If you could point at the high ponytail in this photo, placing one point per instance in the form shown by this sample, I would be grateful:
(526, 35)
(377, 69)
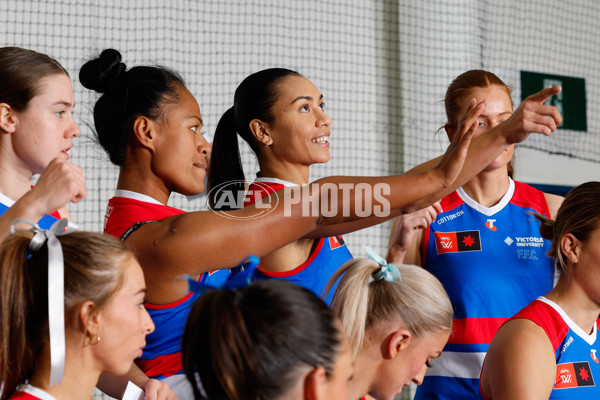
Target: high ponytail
(418, 300)
(21, 324)
(225, 161)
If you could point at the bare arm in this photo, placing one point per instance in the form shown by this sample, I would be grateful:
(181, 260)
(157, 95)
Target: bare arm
(520, 363)
(114, 385)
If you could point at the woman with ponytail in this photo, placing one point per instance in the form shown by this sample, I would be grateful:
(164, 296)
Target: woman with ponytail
(270, 340)
(100, 319)
(398, 319)
(549, 349)
(36, 129)
(149, 124)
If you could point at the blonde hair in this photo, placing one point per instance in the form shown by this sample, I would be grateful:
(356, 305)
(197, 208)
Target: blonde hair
(93, 265)
(418, 299)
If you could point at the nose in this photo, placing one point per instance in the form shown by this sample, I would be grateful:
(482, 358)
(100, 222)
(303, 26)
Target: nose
(418, 378)
(73, 130)
(323, 119)
(204, 147)
(147, 323)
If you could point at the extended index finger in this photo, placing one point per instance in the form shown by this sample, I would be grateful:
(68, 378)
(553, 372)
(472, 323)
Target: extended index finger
(545, 93)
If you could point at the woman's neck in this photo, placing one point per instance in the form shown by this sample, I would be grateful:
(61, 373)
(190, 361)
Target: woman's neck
(141, 180)
(275, 168)
(79, 377)
(366, 365)
(575, 302)
(15, 180)
(488, 187)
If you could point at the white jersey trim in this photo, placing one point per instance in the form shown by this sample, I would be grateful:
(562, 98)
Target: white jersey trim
(6, 201)
(489, 211)
(32, 390)
(128, 194)
(267, 179)
(589, 338)
(455, 364)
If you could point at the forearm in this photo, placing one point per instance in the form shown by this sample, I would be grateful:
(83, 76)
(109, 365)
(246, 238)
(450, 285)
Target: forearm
(23, 208)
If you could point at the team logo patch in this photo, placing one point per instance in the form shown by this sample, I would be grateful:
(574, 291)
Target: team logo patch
(571, 375)
(335, 242)
(490, 224)
(453, 242)
(594, 356)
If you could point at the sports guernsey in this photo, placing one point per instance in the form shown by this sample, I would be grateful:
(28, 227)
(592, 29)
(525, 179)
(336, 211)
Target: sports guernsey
(28, 392)
(45, 222)
(492, 263)
(161, 358)
(324, 260)
(577, 363)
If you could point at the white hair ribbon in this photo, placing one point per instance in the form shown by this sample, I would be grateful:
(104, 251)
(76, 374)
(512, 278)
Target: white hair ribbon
(56, 292)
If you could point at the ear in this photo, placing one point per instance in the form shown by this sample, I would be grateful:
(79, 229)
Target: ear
(313, 382)
(449, 131)
(7, 118)
(396, 342)
(144, 130)
(90, 318)
(570, 247)
(260, 131)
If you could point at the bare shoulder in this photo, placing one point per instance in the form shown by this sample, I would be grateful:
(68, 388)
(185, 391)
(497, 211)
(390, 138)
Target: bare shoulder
(520, 363)
(554, 201)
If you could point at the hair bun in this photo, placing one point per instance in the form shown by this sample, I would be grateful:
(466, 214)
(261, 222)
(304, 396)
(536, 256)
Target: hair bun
(100, 73)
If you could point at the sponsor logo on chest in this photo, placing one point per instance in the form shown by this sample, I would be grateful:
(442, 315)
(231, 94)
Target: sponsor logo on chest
(454, 242)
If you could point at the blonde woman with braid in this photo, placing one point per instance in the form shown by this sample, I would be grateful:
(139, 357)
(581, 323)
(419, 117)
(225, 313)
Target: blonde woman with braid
(398, 319)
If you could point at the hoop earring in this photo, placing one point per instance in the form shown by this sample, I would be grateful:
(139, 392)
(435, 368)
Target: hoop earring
(90, 338)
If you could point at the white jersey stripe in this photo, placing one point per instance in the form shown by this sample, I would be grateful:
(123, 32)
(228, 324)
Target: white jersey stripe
(457, 365)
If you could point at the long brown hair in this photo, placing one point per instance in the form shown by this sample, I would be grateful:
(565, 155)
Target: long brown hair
(93, 271)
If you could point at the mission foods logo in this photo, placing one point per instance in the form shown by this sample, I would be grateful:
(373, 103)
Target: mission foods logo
(454, 242)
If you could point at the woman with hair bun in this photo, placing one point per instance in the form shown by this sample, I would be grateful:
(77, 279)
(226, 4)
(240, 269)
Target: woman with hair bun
(36, 130)
(57, 350)
(398, 319)
(149, 124)
(549, 349)
(270, 340)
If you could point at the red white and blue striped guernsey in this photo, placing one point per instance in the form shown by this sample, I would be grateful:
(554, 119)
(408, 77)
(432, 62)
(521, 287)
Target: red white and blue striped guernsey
(577, 364)
(45, 222)
(328, 255)
(161, 359)
(492, 263)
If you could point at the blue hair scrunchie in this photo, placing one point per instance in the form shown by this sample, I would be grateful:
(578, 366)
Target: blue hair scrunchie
(388, 272)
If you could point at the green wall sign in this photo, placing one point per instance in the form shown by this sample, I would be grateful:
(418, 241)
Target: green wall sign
(570, 101)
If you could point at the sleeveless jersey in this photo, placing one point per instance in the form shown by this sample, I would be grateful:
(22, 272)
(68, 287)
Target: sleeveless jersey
(577, 364)
(45, 222)
(328, 256)
(492, 263)
(28, 392)
(161, 358)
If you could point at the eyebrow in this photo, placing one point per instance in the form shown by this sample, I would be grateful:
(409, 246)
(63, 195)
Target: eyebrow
(64, 103)
(309, 98)
(502, 113)
(198, 118)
